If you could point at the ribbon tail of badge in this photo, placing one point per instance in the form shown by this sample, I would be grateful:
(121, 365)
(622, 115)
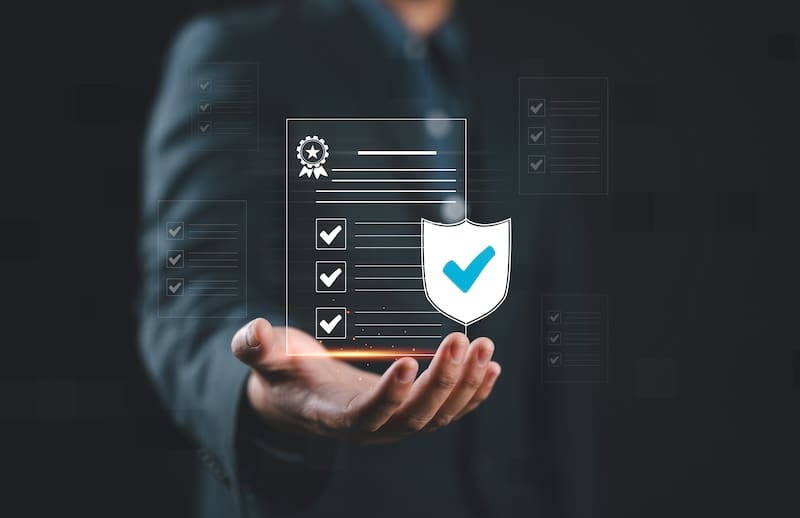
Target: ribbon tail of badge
(307, 172)
(319, 171)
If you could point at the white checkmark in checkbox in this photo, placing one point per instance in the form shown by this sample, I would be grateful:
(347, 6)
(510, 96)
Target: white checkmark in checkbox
(536, 164)
(328, 237)
(536, 107)
(328, 280)
(175, 259)
(331, 234)
(331, 276)
(536, 136)
(331, 323)
(328, 327)
(175, 230)
(174, 287)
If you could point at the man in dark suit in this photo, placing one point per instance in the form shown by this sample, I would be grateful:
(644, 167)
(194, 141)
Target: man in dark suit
(284, 434)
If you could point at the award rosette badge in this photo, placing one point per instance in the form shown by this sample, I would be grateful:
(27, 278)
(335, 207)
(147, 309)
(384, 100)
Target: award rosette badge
(312, 152)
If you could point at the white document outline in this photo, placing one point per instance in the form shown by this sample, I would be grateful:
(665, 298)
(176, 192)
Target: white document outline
(286, 189)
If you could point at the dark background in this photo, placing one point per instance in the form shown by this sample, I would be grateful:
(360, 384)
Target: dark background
(699, 261)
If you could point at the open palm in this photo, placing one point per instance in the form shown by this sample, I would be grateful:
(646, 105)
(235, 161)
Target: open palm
(312, 392)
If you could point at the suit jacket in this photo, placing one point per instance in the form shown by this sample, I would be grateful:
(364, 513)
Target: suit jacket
(531, 450)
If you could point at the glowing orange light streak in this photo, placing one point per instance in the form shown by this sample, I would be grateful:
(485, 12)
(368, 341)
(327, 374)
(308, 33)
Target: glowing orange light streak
(371, 354)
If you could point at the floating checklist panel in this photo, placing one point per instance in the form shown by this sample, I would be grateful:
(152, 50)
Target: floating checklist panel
(563, 135)
(356, 190)
(574, 338)
(224, 105)
(202, 258)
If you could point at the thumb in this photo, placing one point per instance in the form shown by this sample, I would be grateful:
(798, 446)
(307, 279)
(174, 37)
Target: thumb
(255, 344)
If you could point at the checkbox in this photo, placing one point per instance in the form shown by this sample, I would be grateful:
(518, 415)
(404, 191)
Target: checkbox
(331, 276)
(553, 317)
(205, 85)
(175, 287)
(536, 136)
(537, 107)
(331, 323)
(175, 230)
(175, 259)
(554, 338)
(554, 359)
(331, 233)
(204, 107)
(205, 127)
(537, 164)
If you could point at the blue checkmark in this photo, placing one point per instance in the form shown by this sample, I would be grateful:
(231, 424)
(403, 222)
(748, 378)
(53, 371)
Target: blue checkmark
(464, 279)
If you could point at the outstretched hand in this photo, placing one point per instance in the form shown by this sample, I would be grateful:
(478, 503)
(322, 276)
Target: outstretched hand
(312, 393)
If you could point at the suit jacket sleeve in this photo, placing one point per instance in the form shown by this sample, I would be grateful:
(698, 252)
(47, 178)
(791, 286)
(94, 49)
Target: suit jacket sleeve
(189, 359)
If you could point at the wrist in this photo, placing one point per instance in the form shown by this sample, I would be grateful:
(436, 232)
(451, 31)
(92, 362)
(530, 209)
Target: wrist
(256, 421)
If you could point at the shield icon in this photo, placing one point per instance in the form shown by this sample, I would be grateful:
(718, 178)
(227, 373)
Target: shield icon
(466, 267)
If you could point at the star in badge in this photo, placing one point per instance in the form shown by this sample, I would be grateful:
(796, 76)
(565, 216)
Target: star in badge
(312, 152)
